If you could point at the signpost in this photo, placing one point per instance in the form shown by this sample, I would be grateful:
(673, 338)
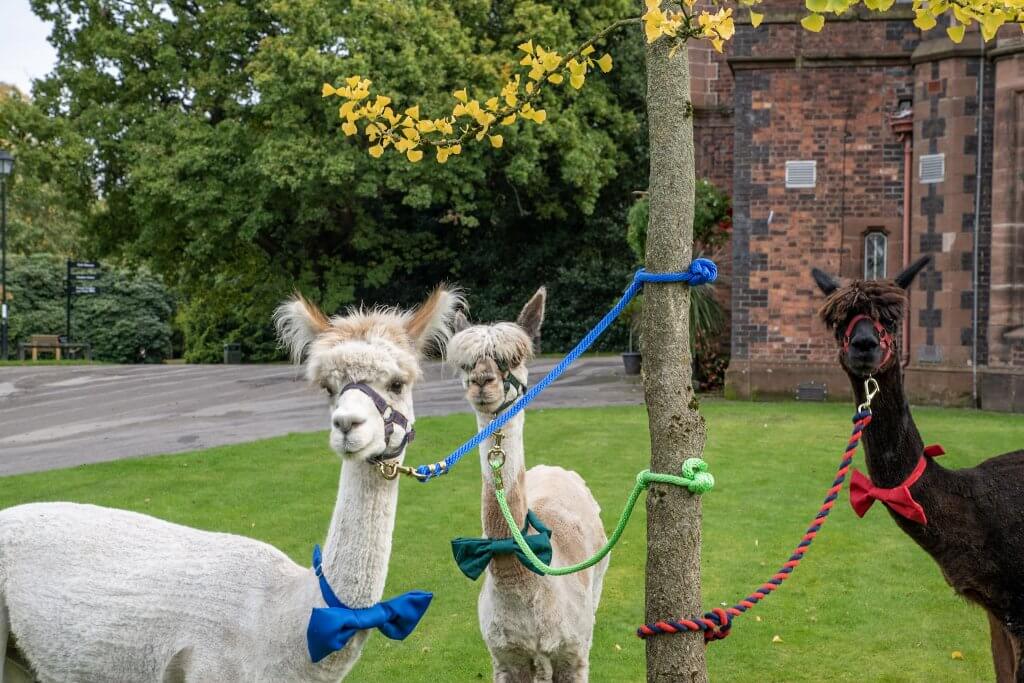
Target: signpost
(73, 289)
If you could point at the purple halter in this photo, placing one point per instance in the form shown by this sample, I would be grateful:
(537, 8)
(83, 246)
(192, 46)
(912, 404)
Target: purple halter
(391, 418)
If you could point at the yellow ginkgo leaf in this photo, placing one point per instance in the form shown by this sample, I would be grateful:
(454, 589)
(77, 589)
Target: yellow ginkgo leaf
(556, 78)
(776, 639)
(508, 120)
(588, 50)
(461, 95)
(605, 63)
(813, 22)
(328, 90)
(956, 33)
(924, 20)
(376, 151)
(442, 155)
(717, 43)
(817, 5)
(426, 126)
(352, 81)
(756, 18)
(349, 128)
(414, 155)
(527, 47)
(990, 25)
(540, 116)
(496, 141)
(529, 88)
(413, 112)
(456, 149)
(577, 80)
(956, 654)
(492, 104)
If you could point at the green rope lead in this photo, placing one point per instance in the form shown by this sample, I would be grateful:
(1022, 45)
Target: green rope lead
(695, 477)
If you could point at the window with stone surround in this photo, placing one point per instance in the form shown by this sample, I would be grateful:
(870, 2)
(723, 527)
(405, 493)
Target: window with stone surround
(875, 251)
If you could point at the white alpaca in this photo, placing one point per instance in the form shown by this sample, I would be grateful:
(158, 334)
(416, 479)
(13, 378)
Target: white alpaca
(537, 628)
(97, 594)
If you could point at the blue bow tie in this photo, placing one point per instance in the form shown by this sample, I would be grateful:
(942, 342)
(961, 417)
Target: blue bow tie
(474, 554)
(331, 627)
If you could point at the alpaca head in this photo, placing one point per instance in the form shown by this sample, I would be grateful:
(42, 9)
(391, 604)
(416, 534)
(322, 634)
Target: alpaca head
(865, 317)
(488, 355)
(379, 348)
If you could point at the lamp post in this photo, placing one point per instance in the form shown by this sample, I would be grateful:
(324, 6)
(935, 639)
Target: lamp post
(6, 167)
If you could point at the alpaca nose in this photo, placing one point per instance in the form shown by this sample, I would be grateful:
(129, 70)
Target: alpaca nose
(865, 343)
(346, 422)
(482, 380)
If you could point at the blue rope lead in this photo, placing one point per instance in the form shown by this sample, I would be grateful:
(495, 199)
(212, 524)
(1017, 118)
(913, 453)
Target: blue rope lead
(702, 270)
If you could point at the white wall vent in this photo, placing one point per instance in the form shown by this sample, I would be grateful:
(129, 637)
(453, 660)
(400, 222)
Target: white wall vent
(932, 168)
(801, 174)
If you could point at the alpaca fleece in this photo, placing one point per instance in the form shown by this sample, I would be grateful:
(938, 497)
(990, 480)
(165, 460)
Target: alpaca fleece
(98, 594)
(536, 628)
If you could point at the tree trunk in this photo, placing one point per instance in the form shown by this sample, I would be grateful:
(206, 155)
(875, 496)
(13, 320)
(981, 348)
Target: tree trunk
(677, 429)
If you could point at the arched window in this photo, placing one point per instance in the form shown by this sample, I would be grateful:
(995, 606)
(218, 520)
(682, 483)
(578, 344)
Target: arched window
(875, 247)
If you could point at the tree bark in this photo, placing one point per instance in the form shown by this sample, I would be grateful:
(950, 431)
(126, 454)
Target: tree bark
(677, 429)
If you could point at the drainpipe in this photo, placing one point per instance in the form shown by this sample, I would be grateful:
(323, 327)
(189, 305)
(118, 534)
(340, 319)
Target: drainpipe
(977, 222)
(902, 124)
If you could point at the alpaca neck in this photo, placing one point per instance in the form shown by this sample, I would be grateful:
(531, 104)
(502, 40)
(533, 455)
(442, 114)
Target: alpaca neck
(513, 477)
(892, 444)
(358, 545)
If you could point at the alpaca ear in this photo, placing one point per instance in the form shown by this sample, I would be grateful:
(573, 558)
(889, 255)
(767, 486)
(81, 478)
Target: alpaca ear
(907, 275)
(826, 283)
(298, 323)
(431, 323)
(532, 315)
(460, 322)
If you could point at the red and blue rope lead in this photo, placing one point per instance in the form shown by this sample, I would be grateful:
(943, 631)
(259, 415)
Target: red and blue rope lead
(717, 623)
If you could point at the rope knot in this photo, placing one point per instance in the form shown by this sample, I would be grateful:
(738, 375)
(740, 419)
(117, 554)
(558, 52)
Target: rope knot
(701, 271)
(699, 480)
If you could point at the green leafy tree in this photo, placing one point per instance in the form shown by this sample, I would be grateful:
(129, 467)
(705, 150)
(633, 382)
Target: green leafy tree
(220, 167)
(48, 194)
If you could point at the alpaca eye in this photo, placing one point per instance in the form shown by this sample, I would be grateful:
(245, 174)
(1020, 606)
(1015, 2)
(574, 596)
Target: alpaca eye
(329, 389)
(396, 387)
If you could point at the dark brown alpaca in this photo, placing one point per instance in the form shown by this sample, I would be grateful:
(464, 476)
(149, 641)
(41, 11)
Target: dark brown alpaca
(975, 516)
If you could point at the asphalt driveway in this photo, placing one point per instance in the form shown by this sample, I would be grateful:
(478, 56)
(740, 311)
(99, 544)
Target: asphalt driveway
(54, 416)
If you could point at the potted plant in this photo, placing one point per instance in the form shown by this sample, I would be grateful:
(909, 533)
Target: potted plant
(712, 222)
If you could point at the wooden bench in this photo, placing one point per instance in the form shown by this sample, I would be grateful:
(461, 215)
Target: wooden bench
(51, 343)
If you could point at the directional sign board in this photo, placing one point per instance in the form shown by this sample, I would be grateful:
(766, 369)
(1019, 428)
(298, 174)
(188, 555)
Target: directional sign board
(86, 290)
(82, 276)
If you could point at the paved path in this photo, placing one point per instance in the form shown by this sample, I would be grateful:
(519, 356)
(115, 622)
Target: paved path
(52, 416)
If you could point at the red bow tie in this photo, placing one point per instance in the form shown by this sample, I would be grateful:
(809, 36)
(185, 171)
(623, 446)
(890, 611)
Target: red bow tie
(863, 493)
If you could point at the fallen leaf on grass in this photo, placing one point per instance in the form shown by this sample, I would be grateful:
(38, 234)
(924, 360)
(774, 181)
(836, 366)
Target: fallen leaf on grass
(956, 654)
(776, 639)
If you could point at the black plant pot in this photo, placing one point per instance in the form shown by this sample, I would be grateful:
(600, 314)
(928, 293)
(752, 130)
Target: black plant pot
(631, 361)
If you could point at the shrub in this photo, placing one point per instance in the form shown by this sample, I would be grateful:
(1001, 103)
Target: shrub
(127, 322)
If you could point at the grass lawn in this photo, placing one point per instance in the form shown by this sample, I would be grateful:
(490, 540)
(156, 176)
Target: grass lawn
(867, 604)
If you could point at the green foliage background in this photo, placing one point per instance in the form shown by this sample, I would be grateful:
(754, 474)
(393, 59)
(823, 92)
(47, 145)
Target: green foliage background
(205, 151)
(130, 314)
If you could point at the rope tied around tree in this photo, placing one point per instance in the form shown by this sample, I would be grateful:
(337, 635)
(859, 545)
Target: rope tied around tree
(717, 623)
(695, 477)
(700, 271)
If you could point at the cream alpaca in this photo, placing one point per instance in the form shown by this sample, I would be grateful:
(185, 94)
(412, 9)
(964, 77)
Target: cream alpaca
(93, 593)
(537, 628)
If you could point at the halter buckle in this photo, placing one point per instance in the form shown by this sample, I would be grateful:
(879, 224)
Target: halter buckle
(390, 470)
(496, 458)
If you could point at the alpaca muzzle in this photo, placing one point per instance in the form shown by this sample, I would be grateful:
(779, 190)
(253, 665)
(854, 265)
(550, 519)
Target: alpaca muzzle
(885, 341)
(391, 418)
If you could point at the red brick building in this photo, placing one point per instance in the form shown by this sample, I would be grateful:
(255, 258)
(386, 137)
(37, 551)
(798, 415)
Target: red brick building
(814, 135)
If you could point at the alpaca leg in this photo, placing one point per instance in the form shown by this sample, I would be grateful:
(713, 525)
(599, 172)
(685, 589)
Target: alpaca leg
(542, 669)
(1003, 656)
(573, 672)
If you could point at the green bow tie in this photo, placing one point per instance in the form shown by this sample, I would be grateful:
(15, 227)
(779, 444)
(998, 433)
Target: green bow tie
(474, 554)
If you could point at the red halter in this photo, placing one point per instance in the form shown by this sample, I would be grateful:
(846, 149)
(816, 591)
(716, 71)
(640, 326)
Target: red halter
(884, 338)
